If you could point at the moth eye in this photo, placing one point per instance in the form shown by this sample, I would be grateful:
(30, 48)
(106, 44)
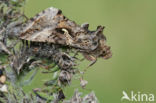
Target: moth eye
(103, 52)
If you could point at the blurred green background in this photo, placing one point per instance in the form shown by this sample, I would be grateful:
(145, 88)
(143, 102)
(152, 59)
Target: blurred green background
(130, 31)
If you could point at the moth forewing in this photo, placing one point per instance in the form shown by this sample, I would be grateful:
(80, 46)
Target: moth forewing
(52, 27)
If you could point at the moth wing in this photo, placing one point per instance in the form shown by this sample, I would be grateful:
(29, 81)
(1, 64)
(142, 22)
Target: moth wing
(41, 27)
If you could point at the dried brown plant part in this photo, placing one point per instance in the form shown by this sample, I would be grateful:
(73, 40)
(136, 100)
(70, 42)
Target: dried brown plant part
(90, 98)
(66, 61)
(2, 30)
(18, 59)
(65, 78)
(61, 95)
(4, 48)
(83, 82)
(77, 98)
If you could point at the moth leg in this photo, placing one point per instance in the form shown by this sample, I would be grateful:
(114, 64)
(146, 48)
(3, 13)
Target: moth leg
(92, 63)
(75, 54)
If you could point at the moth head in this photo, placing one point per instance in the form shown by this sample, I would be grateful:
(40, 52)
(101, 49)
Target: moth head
(96, 42)
(103, 49)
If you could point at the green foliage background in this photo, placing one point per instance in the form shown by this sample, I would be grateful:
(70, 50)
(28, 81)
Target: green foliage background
(130, 31)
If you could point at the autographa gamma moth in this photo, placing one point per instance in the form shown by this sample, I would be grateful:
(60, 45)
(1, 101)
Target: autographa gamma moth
(51, 26)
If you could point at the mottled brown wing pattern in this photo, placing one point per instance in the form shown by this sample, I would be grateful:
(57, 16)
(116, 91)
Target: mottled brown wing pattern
(51, 26)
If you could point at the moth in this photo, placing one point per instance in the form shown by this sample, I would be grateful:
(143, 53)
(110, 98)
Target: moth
(52, 27)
